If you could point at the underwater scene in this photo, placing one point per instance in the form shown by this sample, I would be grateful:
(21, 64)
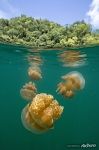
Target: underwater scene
(49, 98)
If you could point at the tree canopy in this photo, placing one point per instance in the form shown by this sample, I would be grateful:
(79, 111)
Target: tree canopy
(43, 33)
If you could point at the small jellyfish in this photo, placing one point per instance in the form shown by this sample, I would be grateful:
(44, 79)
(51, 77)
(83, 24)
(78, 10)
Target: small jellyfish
(28, 91)
(71, 83)
(34, 73)
(40, 115)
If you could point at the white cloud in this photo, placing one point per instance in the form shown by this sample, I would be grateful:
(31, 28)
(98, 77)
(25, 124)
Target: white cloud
(8, 10)
(93, 14)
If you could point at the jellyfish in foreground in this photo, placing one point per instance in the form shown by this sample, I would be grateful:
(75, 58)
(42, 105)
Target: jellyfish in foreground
(40, 115)
(72, 82)
(34, 73)
(28, 91)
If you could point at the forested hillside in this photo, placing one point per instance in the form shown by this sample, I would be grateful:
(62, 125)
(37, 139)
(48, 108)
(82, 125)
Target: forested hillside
(43, 33)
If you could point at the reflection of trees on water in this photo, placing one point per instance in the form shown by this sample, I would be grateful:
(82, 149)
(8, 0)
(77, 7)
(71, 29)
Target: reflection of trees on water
(34, 59)
(72, 58)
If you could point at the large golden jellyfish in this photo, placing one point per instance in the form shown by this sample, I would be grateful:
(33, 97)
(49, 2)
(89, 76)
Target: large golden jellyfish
(28, 91)
(40, 115)
(34, 72)
(72, 82)
(73, 58)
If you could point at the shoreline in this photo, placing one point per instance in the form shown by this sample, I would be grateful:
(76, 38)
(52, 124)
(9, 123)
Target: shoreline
(44, 48)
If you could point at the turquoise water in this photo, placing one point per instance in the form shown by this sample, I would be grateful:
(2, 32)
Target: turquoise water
(79, 123)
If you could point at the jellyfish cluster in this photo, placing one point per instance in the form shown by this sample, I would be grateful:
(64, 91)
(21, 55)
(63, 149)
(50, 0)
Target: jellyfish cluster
(71, 83)
(29, 90)
(43, 110)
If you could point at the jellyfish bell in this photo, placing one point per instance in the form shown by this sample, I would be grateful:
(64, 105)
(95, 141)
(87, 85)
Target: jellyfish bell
(71, 83)
(28, 91)
(27, 94)
(41, 103)
(35, 66)
(29, 123)
(30, 86)
(76, 78)
(34, 73)
(47, 117)
(65, 86)
(61, 88)
(69, 94)
(40, 115)
(66, 89)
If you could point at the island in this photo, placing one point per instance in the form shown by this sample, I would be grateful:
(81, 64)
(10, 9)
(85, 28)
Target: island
(41, 33)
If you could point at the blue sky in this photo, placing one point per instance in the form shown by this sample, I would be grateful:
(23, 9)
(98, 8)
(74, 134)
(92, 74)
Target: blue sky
(60, 11)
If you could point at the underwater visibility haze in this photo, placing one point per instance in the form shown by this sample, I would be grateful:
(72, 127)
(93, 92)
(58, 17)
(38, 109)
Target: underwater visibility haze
(63, 84)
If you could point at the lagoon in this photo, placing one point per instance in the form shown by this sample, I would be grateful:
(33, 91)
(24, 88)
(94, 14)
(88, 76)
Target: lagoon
(79, 123)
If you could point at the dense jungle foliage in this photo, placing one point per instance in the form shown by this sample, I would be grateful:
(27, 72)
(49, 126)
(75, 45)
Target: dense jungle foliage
(46, 34)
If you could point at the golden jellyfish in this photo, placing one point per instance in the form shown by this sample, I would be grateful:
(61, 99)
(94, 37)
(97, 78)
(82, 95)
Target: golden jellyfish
(76, 78)
(28, 91)
(73, 81)
(65, 89)
(41, 114)
(73, 58)
(34, 73)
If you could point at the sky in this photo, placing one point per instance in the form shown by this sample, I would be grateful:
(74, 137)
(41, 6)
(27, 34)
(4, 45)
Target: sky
(60, 11)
